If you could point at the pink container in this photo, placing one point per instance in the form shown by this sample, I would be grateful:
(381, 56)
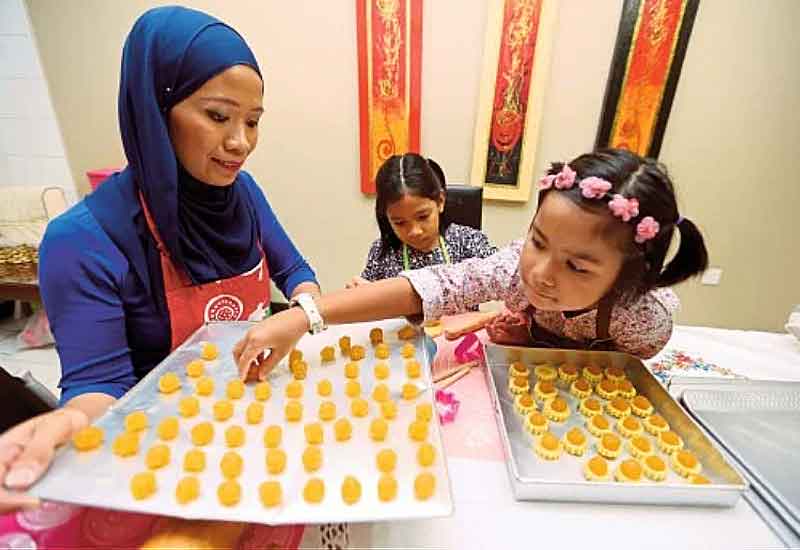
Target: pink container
(96, 177)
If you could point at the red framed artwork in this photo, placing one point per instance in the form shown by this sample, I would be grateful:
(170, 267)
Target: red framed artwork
(516, 67)
(651, 45)
(389, 34)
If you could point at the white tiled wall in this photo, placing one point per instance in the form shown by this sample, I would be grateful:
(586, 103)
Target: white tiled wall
(31, 148)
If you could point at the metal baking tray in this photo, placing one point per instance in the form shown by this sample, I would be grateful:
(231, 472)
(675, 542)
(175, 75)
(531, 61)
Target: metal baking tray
(758, 423)
(99, 478)
(562, 480)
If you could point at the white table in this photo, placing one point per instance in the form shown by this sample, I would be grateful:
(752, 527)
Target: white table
(487, 516)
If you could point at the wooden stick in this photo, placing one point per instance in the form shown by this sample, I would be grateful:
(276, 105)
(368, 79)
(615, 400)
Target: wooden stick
(450, 372)
(453, 379)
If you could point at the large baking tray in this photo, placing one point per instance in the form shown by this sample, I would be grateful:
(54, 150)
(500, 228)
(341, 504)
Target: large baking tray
(562, 480)
(98, 478)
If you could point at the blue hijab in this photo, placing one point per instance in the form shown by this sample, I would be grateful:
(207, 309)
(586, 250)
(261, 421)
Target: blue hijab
(211, 232)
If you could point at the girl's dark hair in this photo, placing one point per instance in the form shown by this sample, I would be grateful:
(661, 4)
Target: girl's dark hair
(400, 175)
(647, 181)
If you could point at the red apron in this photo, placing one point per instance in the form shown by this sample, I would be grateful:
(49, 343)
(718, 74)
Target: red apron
(242, 297)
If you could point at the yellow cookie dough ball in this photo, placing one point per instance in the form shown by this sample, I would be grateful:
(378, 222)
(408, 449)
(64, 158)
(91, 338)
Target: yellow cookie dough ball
(254, 413)
(299, 370)
(381, 393)
(205, 386)
(359, 407)
(378, 429)
(342, 429)
(424, 412)
(351, 370)
(324, 387)
(327, 354)
(424, 486)
(382, 351)
(387, 488)
(194, 461)
(386, 460)
(294, 389)
(263, 391)
(357, 353)
(231, 465)
(410, 391)
(189, 406)
(195, 368)
(294, 411)
(223, 410)
(209, 351)
(143, 485)
(276, 461)
(413, 368)
(234, 436)
(382, 371)
(271, 493)
(327, 410)
(389, 409)
(87, 439)
(426, 454)
(157, 456)
(418, 430)
(344, 345)
(407, 333)
(187, 490)
(314, 435)
(202, 434)
(229, 492)
(408, 350)
(351, 490)
(126, 444)
(169, 383)
(314, 490)
(352, 388)
(295, 355)
(168, 429)
(272, 436)
(235, 389)
(376, 336)
(136, 422)
(312, 458)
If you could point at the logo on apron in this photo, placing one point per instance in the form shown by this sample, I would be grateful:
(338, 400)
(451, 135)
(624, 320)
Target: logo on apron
(224, 307)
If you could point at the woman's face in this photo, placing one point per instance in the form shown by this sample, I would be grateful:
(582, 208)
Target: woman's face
(215, 129)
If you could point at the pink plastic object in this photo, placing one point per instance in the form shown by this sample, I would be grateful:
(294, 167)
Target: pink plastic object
(446, 405)
(96, 177)
(469, 349)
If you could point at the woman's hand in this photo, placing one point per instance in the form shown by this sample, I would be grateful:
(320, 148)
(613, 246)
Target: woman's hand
(356, 282)
(509, 328)
(27, 449)
(277, 334)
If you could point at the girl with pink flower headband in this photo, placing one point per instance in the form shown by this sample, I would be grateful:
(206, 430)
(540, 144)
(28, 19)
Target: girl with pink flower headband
(590, 273)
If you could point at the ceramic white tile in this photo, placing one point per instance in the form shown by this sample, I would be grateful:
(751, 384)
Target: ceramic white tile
(16, 136)
(46, 138)
(18, 57)
(12, 18)
(19, 170)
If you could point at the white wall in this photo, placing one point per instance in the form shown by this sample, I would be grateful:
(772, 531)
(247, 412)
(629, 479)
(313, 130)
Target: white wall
(31, 148)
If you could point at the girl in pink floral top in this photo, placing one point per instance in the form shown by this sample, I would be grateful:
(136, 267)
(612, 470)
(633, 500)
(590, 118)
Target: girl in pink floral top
(590, 274)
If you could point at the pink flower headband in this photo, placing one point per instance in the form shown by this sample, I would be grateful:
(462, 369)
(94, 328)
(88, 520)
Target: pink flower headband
(597, 188)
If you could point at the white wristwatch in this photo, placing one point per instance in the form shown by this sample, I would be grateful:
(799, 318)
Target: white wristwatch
(306, 302)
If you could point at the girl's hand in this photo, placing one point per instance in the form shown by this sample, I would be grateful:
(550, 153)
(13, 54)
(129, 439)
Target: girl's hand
(278, 335)
(27, 449)
(356, 282)
(509, 328)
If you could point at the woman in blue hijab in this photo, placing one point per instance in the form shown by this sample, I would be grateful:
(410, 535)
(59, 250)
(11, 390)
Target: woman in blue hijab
(179, 237)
